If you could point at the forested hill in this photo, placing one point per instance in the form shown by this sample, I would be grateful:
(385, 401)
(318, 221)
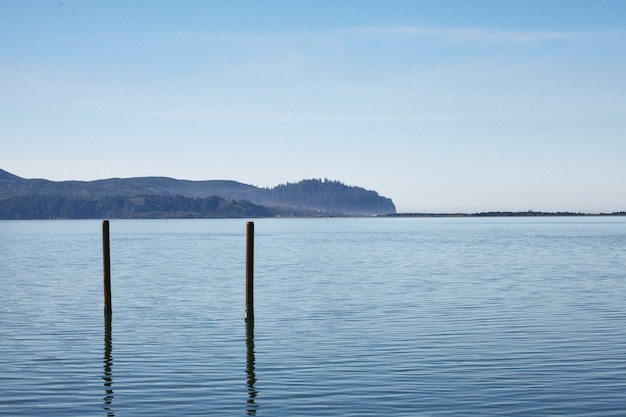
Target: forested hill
(331, 196)
(156, 197)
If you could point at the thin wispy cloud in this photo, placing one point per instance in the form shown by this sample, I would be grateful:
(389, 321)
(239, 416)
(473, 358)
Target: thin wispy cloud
(467, 35)
(441, 33)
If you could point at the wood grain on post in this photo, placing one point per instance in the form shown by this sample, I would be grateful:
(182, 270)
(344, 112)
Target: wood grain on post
(106, 259)
(250, 271)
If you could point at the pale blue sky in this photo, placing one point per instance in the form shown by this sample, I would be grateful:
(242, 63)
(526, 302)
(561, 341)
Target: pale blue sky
(442, 106)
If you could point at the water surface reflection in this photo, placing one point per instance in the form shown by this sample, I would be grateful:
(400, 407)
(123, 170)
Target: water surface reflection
(251, 405)
(107, 374)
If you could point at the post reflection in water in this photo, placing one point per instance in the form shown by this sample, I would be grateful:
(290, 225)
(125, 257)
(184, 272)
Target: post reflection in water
(107, 375)
(251, 405)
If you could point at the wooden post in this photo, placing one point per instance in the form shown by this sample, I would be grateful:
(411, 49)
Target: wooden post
(250, 272)
(106, 258)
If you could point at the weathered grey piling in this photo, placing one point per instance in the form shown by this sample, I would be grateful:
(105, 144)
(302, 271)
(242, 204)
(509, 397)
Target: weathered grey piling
(106, 259)
(250, 271)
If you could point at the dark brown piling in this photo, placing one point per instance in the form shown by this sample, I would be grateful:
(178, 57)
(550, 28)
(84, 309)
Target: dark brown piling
(106, 259)
(250, 271)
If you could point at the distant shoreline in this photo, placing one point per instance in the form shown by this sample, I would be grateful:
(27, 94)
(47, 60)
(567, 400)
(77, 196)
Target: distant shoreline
(508, 214)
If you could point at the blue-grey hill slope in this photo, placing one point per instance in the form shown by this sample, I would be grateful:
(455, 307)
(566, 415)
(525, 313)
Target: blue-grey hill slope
(168, 197)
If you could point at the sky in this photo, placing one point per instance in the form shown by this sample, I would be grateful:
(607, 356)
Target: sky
(442, 106)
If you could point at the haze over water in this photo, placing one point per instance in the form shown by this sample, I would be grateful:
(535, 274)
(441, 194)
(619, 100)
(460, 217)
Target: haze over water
(442, 105)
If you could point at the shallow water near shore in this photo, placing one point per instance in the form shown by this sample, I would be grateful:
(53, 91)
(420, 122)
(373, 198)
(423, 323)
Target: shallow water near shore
(363, 317)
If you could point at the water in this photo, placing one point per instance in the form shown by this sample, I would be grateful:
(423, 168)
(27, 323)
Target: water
(353, 317)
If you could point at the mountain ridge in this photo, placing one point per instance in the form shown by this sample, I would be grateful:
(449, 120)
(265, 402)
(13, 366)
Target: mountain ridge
(306, 197)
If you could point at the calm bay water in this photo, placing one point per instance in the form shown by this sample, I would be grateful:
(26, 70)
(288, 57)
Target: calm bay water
(363, 317)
